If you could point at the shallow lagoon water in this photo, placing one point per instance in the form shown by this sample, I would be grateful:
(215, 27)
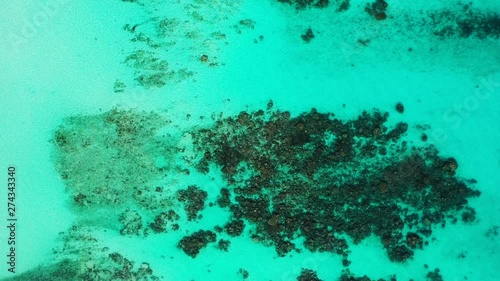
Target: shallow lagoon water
(104, 102)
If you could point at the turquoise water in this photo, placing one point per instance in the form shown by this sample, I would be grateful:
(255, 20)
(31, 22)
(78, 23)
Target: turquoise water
(250, 140)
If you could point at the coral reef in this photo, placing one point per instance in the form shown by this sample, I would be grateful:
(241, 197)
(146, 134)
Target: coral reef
(192, 244)
(318, 177)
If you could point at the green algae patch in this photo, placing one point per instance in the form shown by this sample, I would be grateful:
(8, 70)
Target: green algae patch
(61, 271)
(83, 257)
(114, 267)
(113, 158)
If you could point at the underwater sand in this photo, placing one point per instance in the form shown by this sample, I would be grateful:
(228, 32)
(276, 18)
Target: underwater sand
(65, 59)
